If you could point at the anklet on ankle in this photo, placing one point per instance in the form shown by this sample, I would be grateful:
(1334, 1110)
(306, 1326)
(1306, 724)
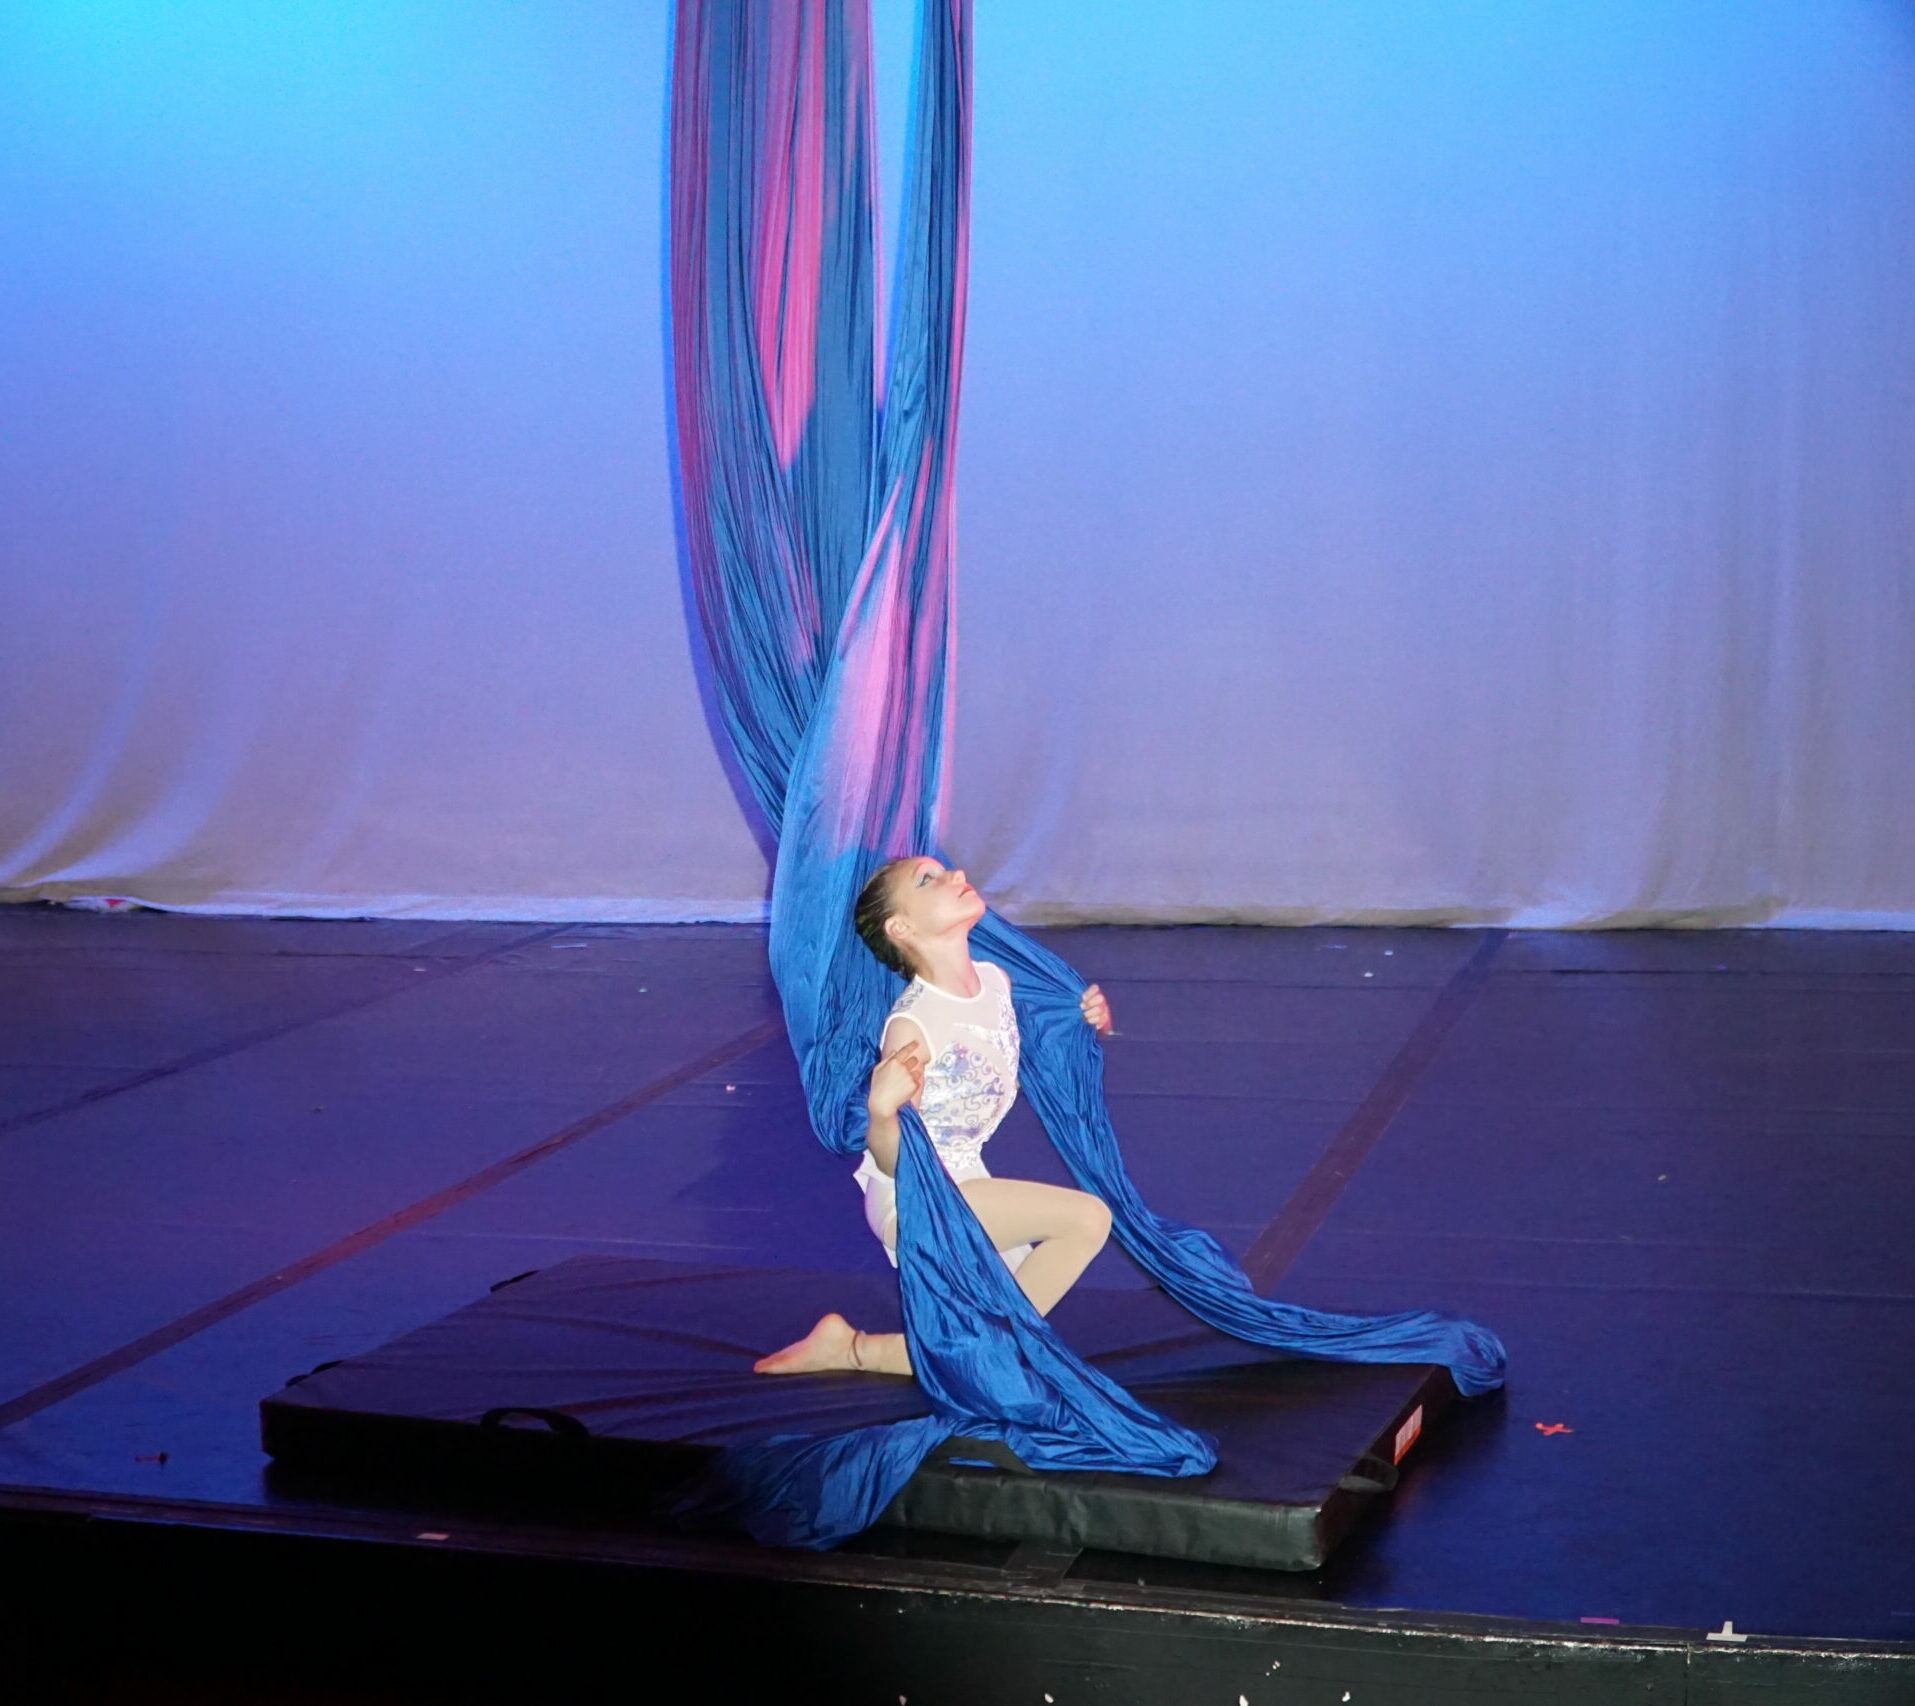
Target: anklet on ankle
(857, 1361)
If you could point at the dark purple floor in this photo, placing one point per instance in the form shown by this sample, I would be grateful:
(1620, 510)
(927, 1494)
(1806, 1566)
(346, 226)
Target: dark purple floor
(1674, 1169)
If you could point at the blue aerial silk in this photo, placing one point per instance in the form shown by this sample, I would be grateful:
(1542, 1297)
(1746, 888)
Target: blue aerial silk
(817, 508)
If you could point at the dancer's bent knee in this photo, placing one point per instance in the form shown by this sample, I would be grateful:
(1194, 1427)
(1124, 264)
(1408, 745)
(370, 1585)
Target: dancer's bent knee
(1090, 1216)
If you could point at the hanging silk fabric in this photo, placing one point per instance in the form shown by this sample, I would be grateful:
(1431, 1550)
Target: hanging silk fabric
(817, 504)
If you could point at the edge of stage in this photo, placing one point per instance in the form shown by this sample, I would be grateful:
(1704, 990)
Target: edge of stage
(312, 1604)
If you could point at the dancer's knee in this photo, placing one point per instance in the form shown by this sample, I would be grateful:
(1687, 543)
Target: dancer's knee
(1088, 1218)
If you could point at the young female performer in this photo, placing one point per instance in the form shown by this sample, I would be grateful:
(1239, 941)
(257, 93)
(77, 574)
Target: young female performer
(950, 1048)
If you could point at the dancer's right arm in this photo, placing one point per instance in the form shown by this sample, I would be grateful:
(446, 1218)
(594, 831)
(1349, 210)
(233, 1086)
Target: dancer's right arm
(897, 1079)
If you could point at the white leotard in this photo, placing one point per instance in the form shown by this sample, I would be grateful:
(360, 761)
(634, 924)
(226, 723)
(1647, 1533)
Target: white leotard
(968, 1087)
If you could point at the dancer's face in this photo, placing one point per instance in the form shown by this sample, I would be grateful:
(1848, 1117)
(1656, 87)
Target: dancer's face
(929, 904)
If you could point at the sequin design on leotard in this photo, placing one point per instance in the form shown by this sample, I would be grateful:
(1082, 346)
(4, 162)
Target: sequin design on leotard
(968, 1087)
(972, 1083)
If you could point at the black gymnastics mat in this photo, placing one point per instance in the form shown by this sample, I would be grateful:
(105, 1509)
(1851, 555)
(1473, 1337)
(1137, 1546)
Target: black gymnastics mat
(610, 1381)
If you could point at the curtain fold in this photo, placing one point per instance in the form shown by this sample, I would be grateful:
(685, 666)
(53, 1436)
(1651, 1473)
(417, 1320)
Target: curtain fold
(819, 531)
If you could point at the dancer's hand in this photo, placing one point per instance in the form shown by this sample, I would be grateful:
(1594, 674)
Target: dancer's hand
(1096, 1011)
(898, 1078)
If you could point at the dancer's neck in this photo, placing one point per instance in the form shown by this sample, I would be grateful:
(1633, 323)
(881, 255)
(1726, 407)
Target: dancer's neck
(948, 966)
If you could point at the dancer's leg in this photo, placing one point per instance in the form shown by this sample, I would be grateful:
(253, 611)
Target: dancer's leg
(1067, 1227)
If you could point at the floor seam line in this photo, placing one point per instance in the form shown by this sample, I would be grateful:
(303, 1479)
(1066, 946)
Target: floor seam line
(138, 1350)
(1277, 1246)
(265, 1034)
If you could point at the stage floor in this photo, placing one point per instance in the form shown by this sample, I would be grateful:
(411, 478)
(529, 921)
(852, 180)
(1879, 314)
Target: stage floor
(1674, 1170)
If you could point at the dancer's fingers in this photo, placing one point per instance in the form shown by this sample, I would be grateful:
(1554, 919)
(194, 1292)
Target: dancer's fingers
(898, 1077)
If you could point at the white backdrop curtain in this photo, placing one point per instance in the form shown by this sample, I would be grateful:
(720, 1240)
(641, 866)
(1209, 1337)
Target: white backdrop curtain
(1420, 462)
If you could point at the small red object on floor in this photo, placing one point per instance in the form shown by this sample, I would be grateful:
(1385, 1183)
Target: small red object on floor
(1554, 1428)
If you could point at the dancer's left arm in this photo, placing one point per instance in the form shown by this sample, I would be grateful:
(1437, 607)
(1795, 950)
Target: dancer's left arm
(1096, 1011)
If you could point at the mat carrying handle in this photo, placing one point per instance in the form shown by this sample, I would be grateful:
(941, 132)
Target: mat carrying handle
(1371, 1475)
(557, 1420)
(965, 1452)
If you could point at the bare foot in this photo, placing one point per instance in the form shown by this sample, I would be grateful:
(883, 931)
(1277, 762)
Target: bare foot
(827, 1345)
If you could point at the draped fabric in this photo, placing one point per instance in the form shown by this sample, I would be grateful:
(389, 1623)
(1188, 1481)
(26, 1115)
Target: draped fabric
(817, 496)
(1420, 465)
